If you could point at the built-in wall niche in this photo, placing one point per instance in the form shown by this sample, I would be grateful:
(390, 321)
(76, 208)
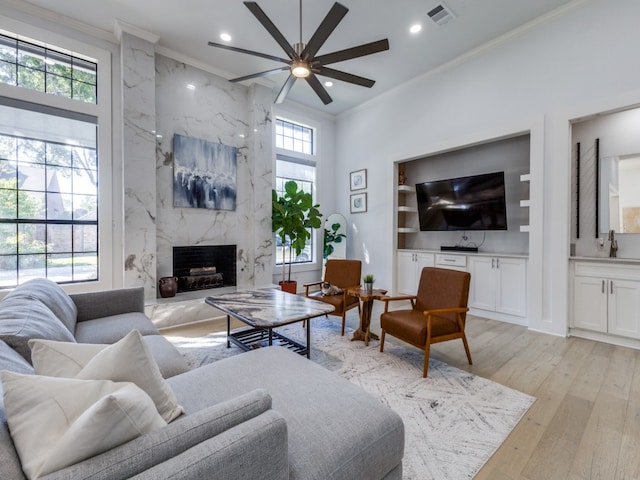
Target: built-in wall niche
(605, 179)
(509, 155)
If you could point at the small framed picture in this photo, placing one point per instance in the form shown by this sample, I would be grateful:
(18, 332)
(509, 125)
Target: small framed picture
(359, 202)
(359, 179)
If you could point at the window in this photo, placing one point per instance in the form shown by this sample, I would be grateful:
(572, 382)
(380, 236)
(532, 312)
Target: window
(294, 137)
(50, 174)
(36, 67)
(301, 169)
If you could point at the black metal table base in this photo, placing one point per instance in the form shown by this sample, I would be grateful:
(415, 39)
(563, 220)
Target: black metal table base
(252, 338)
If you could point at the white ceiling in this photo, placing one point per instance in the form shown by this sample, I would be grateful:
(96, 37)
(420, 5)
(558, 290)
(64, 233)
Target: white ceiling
(186, 26)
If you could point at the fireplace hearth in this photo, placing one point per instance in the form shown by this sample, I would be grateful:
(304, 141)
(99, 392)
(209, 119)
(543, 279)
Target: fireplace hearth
(204, 266)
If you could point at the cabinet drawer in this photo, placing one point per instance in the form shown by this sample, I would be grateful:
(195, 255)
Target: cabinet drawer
(451, 260)
(607, 270)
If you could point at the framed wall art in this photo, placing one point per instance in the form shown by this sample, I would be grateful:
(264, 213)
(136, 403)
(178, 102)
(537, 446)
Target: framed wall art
(359, 202)
(359, 179)
(204, 174)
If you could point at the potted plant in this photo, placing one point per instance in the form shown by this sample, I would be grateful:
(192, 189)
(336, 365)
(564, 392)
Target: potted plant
(331, 236)
(368, 283)
(293, 215)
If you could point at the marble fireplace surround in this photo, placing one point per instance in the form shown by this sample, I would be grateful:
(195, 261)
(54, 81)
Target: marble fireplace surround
(159, 103)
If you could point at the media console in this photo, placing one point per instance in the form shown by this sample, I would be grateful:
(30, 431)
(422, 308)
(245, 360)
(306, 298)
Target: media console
(456, 248)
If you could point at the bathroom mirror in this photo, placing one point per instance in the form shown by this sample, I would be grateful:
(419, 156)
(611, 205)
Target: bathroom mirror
(619, 194)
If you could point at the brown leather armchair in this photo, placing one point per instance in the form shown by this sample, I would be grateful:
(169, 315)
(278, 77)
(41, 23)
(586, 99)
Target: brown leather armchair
(438, 312)
(343, 274)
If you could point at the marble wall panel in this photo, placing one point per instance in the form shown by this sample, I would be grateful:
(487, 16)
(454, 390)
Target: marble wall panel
(138, 95)
(195, 103)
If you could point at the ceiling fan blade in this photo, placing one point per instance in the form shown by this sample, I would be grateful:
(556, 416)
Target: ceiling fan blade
(328, 25)
(248, 52)
(271, 28)
(319, 89)
(353, 52)
(285, 89)
(260, 74)
(345, 77)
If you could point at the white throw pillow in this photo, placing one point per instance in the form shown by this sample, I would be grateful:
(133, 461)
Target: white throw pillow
(128, 360)
(57, 422)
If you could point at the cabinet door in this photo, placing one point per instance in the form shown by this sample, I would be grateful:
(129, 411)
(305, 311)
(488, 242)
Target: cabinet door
(481, 290)
(624, 308)
(590, 303)
(422, 260)
(511, 286)
(406, 273)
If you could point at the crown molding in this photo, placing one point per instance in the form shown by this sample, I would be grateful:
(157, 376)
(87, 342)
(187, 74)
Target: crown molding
(47, 15)
(120, 27)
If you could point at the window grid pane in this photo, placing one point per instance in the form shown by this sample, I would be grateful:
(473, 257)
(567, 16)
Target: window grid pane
(294, 137)
(46, 70)
(48, 211)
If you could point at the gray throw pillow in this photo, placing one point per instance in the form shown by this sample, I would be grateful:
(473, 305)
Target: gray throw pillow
(51, 295)
(23, 319)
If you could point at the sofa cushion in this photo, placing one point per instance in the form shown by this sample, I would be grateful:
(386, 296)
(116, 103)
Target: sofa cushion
(56, 422)
(51, 295)
(22, 320)
(169, 360)
(128, 360)
(112, 328)
(327, 416)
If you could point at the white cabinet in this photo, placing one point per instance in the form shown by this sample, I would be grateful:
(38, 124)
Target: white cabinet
(498, 284)
(409, 267)
(606, 299)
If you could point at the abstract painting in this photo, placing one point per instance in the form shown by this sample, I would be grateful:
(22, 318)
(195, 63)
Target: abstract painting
(204, 174)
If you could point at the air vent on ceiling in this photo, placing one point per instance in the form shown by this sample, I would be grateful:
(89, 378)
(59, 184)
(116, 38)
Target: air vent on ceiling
(440, 14)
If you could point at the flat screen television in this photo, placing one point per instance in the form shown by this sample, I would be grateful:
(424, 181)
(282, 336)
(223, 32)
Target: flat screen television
(465, 203)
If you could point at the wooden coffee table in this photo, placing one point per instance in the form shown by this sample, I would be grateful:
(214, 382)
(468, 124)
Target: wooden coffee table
(264, 310)
(364, 329)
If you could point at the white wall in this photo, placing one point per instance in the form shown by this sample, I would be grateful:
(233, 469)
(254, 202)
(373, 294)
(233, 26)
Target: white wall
(577, 63)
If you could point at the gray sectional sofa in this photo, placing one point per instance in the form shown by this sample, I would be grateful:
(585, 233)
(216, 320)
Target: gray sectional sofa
(264, 414)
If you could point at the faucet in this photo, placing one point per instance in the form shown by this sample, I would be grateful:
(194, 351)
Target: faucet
(613, 249)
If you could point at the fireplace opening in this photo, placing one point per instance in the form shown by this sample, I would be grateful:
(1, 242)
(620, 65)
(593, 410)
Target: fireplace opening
(204, 266)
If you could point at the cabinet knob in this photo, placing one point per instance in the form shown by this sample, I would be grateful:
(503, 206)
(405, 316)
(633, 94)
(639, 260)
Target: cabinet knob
(611, 284)
(602, 286)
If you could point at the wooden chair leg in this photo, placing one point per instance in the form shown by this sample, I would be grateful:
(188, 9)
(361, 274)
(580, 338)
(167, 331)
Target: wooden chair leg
(464, 338)
(466, 348)
(382, 334)
(425, 368)
(344, 319)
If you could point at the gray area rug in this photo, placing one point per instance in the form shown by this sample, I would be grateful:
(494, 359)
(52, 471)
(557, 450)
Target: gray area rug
(454, 420)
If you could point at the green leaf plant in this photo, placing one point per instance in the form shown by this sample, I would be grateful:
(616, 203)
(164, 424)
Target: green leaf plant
(331, 236)
(292, 218)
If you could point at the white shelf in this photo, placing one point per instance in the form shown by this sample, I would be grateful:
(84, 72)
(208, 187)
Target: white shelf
(524, 228)
(407, 230)
(525, 177)
(525, 203)
(404, 208)
(406, 189)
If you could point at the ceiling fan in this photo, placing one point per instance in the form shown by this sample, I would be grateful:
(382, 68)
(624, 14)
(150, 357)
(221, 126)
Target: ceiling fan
(302, 61)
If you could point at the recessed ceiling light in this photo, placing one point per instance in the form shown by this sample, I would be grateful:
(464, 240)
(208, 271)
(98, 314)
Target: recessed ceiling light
(415, 28)
(225, 37)
(191, 86)
(328, 84)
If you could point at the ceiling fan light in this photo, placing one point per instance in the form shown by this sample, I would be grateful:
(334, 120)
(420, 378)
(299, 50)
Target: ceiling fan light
(300, 69)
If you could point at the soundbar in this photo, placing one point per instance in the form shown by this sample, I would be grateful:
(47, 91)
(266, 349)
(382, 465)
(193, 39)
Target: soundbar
(455, 248)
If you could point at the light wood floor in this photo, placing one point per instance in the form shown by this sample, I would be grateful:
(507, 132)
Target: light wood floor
(585, 423)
